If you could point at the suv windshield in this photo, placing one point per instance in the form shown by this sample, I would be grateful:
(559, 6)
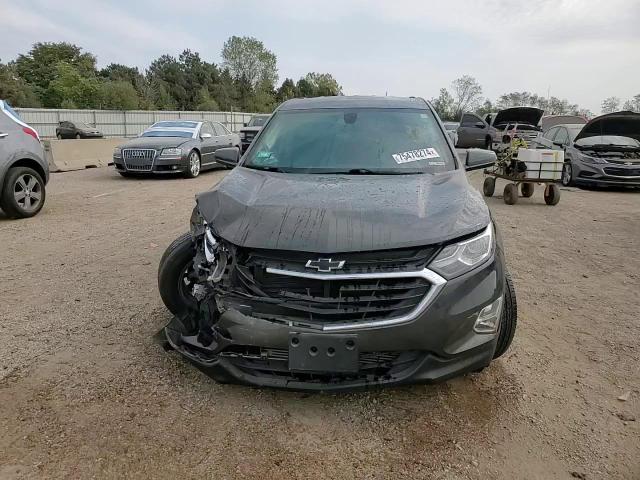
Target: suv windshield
(353, 141)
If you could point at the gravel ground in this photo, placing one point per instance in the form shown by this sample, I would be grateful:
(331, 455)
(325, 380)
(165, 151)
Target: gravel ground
(86, 393)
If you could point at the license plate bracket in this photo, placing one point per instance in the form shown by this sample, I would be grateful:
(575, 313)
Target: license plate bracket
(309, 352)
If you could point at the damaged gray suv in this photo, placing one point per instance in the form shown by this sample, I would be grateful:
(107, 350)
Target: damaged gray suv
(346, 250)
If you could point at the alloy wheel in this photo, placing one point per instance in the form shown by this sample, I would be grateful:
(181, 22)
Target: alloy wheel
(27, 192)
(566, 174)
(194, 164)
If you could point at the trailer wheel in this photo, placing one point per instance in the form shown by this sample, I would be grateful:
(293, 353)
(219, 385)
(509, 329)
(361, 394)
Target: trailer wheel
(552, 194)
(527, 189)
(489, 186)
(510, 194)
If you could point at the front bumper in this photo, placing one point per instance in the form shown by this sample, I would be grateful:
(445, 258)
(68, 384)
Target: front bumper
(160, 165)
(601, 175)
(438, 344)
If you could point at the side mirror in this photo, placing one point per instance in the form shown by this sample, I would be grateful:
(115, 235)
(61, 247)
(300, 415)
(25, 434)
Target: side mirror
(479, 124)
(559, 144)
(478, 158)
(227, 156)
(204, 136)
(245, 124)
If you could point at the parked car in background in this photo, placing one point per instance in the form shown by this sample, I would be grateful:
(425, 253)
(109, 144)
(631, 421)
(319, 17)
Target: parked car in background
(549, 121)
(66, 129)
(24, 171)
(452, 131)
(604, 152)
(522, 122)
(474, 132)
(178, 146)
(346, 250)
(251, 129)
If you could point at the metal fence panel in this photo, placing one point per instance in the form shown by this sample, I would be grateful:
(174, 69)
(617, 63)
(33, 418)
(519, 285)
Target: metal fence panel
(121, 123)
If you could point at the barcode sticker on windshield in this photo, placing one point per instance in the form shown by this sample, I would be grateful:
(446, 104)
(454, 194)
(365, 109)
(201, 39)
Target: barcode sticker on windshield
(415, 155)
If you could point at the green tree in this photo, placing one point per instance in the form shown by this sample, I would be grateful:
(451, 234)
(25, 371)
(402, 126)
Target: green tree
(305, 88)
(487, 107)
(68, 84)
(14, 89)
(247, 58)
(467, 95)
(39, 66)
(204, 102)
(633, 105)
(323, 84)
(443, 104)
(118, 95)
(286, 91)
(610, 105)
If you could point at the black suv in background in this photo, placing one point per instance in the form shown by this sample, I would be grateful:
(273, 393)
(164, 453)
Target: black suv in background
(347, 249)
(66, 129)
(251, 129)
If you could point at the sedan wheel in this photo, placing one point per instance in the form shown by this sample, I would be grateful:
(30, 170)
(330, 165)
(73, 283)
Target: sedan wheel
(193, 167)
(567, 173)
(23, 194)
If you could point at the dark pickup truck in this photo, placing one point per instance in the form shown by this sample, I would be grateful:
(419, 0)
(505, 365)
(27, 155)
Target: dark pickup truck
(251, 129)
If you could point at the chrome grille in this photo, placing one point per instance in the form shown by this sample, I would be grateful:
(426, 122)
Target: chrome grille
(288, 298)
(622, 172)
(139, 159)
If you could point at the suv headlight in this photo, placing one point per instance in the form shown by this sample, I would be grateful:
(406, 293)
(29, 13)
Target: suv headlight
(117, 152)
(171, 151)
(461, 257)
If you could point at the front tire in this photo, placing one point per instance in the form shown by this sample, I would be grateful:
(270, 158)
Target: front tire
(58, 136)
(173, 282)
(78, 136)
(567, 174)
(23, 193)
(509, 321)
(193, 165)
(552, 194)
(489, 186)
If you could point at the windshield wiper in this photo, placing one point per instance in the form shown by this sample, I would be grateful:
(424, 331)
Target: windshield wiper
(265, 168)
(366, 171)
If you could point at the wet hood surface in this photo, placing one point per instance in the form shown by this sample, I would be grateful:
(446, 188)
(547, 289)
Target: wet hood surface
(151, 142)
(341, 213)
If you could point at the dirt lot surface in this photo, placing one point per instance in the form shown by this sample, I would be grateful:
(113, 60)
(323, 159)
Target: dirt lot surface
(86, 393)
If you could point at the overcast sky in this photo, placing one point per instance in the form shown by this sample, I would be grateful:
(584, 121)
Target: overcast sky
(580, 50)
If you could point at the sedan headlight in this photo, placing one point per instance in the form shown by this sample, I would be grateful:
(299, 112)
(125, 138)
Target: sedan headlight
(591, 160)
(172, 151)
(461, 257)
(117, 152)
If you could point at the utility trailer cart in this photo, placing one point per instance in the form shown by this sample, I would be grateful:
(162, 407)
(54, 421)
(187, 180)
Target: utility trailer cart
(523, 168)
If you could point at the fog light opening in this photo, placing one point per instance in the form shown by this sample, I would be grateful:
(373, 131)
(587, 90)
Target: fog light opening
(489, 318)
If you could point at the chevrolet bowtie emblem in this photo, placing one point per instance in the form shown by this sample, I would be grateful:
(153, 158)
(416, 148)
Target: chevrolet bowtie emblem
(325, 264)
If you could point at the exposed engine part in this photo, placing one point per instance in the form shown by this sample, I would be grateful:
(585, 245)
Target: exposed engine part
(216, 256)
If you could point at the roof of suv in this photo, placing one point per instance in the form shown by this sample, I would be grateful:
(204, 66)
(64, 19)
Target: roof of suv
(353, 102)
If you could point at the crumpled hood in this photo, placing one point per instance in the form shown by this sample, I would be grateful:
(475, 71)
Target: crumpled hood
(151, 142)
(530, 115)
(622, 124)
(341, 213)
